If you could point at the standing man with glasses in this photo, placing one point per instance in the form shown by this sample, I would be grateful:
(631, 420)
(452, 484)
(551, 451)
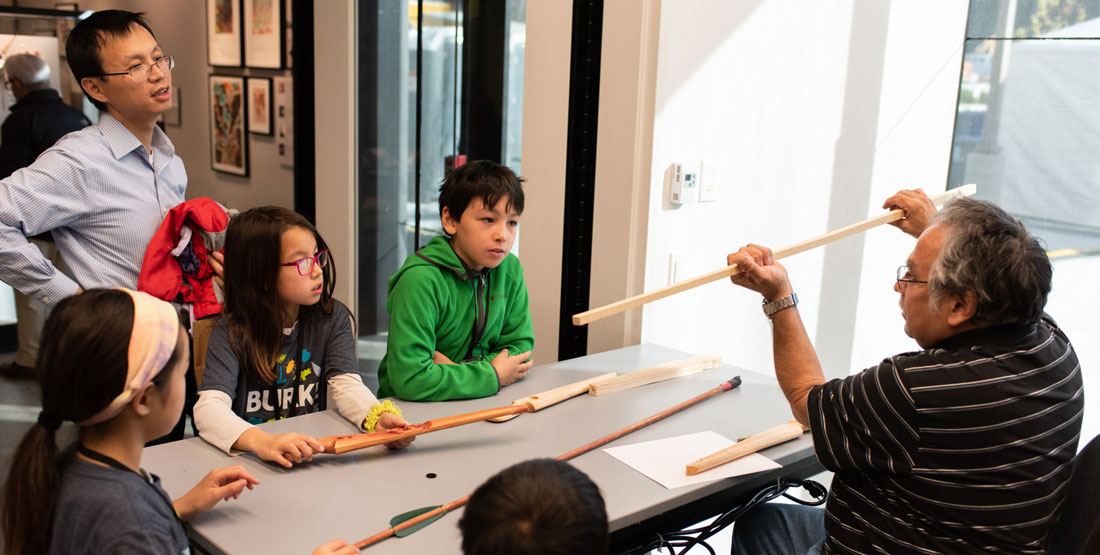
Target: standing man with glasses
(37, 120)
(963, 446)
(104, 190)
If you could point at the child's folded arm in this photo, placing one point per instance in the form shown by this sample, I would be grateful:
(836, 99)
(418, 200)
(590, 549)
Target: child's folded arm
(517, 333)
(216, 421)
(429, 381)
(414, 318)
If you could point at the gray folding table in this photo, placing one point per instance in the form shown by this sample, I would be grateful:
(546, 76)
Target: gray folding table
(354, 495)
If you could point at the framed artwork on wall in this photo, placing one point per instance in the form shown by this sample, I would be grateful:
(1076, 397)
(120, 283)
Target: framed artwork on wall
(259, 105)
(223, 33)
(263, 33)
(228, 122)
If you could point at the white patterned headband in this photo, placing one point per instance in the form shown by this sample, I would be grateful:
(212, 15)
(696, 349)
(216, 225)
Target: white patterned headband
(152, 341)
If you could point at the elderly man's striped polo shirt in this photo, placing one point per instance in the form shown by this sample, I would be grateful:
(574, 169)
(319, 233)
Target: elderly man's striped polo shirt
(961, 448)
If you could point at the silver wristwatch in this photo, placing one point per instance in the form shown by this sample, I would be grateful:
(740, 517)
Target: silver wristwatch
(779, 304)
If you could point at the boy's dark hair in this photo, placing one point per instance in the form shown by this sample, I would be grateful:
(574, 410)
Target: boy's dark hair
(88, 37)
(483, 179)
(536, 507)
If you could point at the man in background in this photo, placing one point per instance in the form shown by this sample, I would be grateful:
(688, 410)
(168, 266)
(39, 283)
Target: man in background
(37, 120)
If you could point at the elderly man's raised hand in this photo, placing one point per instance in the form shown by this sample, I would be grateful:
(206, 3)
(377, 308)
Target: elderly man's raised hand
(760, 272)
(918, 210)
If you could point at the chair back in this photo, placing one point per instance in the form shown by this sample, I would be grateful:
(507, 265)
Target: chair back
(1077, 531)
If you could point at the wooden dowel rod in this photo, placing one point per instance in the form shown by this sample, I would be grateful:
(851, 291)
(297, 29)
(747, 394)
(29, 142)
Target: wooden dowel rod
(724, 386)
(342, 444)
(751, 444)
(594, 314)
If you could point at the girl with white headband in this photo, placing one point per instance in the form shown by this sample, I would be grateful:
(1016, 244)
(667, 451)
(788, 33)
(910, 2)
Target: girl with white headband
(114, 362)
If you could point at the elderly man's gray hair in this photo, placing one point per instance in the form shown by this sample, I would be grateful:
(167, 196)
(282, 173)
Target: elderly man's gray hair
(33, 72)
(991, 254)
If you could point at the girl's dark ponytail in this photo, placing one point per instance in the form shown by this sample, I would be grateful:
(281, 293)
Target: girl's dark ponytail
(81, 368)
(34, 482)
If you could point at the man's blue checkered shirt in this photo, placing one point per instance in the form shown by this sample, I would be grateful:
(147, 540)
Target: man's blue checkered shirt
(102, 195)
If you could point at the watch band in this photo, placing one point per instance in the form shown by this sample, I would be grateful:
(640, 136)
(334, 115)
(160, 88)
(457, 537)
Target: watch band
(779, 304)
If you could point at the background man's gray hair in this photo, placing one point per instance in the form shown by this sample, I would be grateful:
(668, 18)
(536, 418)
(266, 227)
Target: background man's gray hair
(29, 69)
(990, 253)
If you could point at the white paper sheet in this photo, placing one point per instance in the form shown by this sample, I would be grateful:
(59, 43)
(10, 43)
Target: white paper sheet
(664, 460)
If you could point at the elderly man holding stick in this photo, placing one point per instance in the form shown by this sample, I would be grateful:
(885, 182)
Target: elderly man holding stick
(962, 446)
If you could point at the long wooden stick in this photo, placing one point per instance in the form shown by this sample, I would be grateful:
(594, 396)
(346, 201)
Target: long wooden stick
(654, 374)
(554, 396)
(342, 444)
(723, 387)
(594, 314)
(751, 444)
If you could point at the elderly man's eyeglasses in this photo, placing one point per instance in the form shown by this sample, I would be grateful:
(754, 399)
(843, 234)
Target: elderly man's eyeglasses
(904, 277)
(140, 72)
(305, 265)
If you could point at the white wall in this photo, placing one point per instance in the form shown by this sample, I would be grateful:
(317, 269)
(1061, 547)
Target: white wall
(545, 105)
(334, 121)
(812, 113)
(912, 150)
(628, 77)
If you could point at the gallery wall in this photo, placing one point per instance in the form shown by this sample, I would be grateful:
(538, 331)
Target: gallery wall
(180, 27)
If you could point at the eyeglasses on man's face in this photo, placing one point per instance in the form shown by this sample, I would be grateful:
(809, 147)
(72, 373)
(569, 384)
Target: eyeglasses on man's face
(140, 72)
(305, 265)
(904, 277)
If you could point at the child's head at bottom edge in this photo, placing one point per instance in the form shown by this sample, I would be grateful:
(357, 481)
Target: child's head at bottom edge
(538, 507)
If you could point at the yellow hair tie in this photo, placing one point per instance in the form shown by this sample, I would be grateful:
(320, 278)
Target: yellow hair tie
(375, 414)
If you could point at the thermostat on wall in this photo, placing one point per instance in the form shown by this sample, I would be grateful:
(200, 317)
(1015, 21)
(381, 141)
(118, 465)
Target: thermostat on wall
(683, 185)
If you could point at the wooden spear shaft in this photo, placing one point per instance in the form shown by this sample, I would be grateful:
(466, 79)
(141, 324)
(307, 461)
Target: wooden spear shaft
(723, 387)
(337, 445)
(590, 316)
(342, 444)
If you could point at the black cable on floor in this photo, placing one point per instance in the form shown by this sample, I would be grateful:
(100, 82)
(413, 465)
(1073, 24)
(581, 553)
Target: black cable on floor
(691, 537)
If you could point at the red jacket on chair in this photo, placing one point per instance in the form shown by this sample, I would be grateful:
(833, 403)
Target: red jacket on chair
(161, 274)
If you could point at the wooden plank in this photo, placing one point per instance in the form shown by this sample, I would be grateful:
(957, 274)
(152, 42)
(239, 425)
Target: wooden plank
(749, 445)
(659, 373)
(554, 396)
(594, 314)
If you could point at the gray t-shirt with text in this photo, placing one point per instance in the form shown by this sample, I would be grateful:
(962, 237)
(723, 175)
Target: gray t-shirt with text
(301, 370)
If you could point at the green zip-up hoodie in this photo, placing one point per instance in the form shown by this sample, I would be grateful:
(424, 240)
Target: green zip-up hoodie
(436, 304)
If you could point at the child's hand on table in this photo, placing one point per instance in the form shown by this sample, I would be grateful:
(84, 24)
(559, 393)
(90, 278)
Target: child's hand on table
(512, 368)
(390, 421)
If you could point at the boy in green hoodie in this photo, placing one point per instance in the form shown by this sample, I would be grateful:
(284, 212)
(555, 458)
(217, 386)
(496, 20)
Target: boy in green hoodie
(460, 324)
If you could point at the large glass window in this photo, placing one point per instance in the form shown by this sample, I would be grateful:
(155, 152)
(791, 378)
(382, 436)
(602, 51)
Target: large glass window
(1027, 132)
(440, 82)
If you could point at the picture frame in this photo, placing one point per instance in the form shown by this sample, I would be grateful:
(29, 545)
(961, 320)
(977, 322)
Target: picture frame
(174, 115)
(264, 33)
(224, 41)
(284, 119)
(259, 106)
(228, 125)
